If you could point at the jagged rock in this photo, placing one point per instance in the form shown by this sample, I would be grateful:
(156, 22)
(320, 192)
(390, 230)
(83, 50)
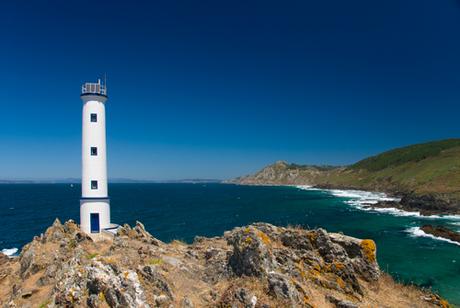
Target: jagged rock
(256, 266)
(361, 254)
(4, 259)
(119, 288)
(139, 233)
(93, 301)
(238, 297)
(30, 262)
(143, 235)
(81, 237)
(294, 239)
(281, 288)
(329, 250)
(340, 303)
(55, 233)
(251, 255)
(187, 303)
(157, 280)
(441, 231)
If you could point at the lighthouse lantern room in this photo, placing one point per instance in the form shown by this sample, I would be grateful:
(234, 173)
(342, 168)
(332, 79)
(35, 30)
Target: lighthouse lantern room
(95, 202)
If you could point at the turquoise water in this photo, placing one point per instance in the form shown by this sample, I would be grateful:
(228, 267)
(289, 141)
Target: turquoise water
(182, 211)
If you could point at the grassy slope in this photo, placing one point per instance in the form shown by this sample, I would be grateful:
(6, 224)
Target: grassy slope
(430, 168)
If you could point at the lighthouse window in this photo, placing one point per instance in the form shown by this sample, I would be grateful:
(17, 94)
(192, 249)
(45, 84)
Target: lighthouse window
(94, 117)
(93, 184)
(93, 151)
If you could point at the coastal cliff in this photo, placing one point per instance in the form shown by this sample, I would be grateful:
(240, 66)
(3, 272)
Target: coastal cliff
(425, 176)
(259, 265)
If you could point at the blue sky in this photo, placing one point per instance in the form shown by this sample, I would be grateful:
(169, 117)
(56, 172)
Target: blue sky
(217, 89)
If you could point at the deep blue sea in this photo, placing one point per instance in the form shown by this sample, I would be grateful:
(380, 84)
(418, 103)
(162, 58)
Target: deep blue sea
(183, 211)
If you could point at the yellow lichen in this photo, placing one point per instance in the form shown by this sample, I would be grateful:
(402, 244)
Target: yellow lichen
(444, 303)
(155, 261)
(368, 247)
(339, 266)
(248, 240)
(264, 237)
(301, 269)
(341, 283)
(312, 236)
(101, 297)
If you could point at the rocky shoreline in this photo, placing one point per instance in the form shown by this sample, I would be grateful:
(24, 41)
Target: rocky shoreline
(442, 232)
(425, 205)
(259, 265)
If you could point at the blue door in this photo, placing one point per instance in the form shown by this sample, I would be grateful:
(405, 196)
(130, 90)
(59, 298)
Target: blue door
(94, 222)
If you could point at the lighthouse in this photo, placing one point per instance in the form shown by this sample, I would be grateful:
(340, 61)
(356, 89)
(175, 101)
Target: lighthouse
(94, 202)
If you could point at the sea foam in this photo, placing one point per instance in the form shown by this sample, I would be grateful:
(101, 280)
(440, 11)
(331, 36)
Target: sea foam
(418, 232)
(10, 252)
(364, 200)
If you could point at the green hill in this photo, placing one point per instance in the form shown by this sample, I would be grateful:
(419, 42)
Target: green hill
(428, 169)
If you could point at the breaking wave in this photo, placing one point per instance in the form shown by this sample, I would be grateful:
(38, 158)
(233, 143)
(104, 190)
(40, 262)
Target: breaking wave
(364, 200)
(10, 252)
(417, 232)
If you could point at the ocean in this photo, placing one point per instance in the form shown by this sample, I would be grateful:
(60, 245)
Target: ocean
(183, 211)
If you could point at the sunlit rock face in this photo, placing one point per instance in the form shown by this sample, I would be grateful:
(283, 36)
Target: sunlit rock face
(259, 265)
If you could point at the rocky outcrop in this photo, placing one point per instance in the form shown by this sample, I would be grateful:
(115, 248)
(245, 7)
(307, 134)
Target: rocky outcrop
(259, 265)
(441, 231)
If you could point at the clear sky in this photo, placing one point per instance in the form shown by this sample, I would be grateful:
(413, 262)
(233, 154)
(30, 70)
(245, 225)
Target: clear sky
(217, 89)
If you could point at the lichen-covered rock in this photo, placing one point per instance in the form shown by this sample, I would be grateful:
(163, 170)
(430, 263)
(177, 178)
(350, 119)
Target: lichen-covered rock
(55, 233)
(4, 259)
(251, 254)
(340, 303)
(157, 281)
(281, 288)
(260, 265)
(30, 259)
(120, 289)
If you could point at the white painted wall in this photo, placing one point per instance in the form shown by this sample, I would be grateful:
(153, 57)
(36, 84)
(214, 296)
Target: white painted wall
(94, 206)
(94, 168)
(93, 135)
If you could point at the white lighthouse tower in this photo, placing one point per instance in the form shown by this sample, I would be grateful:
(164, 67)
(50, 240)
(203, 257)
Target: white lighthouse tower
(95, 202)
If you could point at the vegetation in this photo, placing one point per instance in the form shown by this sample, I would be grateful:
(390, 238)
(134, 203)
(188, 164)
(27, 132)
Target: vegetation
(409, 154)
(431, 168)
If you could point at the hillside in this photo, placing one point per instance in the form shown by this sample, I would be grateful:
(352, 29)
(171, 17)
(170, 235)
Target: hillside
(422, 173)
(259, 265)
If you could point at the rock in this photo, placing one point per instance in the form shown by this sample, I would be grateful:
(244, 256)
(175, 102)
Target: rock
(158, 281)
(145, 236)
(443, 232)
(329, 250)
(30, 261)
(236, 296)
(187, 303)
(281, 288)
(340, 303)
(4, 259)
(81, 237)
(119, 288)
(55, 233)
(360, 253)
(260, 265)
(161, 300)
(296, 240)
(26, 294)
(93, 301)
(251, 255)
(427, 205)
(244, 296)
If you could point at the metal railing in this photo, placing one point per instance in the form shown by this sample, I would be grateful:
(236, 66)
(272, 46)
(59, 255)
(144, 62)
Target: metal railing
(94, 88)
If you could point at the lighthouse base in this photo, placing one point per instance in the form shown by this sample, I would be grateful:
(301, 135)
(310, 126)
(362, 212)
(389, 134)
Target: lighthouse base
(94, 215)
